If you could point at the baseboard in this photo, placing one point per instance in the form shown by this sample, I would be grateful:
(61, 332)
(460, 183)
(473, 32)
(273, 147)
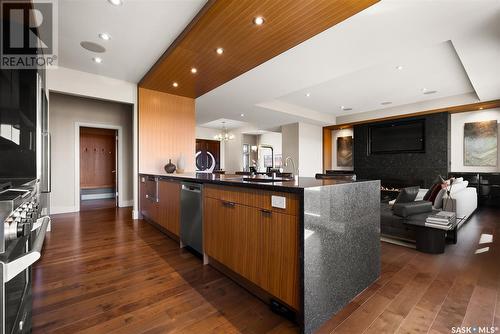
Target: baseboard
(55, 210)
(124, 204)
(97, 196)
(136, 214)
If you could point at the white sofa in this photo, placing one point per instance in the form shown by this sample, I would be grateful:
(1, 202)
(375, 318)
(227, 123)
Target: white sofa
(462, 199)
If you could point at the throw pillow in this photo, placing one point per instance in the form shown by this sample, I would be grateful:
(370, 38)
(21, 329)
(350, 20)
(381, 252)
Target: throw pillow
(407, 195)
(435, 192)
(438, 202)
(430, 191)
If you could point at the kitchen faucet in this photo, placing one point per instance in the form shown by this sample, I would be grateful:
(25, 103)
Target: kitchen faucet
(289, 159)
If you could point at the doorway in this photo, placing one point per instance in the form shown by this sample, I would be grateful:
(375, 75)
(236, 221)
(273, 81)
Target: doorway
(98, 168)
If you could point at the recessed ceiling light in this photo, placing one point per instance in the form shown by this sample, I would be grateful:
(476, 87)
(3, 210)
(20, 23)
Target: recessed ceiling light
(219, 51)
(345, 108)
(480, 108)
(116, 2)
(242, 115)
(386, 103)
(104, 36)
(175, 84)
(259, 20)
(194, 70)
(97, 60)
(308, 94)
(427, 92)
(399, 67)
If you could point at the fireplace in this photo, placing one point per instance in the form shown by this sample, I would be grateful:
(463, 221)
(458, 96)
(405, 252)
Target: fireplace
(390, 188)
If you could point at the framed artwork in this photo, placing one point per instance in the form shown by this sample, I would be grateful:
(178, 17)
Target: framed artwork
(344, 151)
(480, 143)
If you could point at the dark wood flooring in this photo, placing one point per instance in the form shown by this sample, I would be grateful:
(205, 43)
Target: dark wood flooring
(102, 272)
(96, 204)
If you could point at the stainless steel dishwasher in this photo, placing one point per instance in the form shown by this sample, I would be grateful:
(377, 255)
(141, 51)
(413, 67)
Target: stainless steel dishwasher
(191, 216)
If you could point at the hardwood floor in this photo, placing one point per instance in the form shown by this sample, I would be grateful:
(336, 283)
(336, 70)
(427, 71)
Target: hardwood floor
(102, 272)
(96, 204)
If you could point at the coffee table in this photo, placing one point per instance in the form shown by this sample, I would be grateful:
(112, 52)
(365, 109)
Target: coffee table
(429, 239)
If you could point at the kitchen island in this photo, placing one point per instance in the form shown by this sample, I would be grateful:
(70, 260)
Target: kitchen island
(307, 246)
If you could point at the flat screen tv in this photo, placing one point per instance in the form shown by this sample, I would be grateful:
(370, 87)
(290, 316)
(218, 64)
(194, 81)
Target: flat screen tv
(397, 137)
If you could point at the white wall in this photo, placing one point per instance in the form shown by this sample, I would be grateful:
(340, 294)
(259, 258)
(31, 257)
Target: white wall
(65, 112)
(290, 145)
(73, 82)
(457, 138)
(310, 149)
(336, 134)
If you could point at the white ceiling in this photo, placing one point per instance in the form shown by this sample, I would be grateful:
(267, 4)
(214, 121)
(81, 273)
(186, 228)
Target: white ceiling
(229, 124)
(141, 30)
(437, 68)
(354, 64)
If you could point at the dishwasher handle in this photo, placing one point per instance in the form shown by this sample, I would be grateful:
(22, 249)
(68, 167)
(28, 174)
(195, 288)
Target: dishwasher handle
(192, 188)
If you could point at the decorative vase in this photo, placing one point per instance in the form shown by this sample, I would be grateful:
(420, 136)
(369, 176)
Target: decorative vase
(170, 167)
(181, 164)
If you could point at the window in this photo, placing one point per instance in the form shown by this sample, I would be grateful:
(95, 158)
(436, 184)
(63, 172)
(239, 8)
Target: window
(246, 157)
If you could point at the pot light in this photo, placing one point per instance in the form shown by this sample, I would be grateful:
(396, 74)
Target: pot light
(115, 2)
(480, 108)
(242, 115)
(175, 84)
(308, 94)
(386, 103)
(399, 67)
(345, 108)
(97, 60)
(427, 92)
(104, 36)
(259, 20)
(219, 51)
(194, 70)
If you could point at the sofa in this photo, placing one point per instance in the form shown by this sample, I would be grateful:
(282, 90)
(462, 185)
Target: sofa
(462, 200)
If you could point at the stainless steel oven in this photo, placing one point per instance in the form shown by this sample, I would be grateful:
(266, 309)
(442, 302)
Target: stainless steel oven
(23, 234)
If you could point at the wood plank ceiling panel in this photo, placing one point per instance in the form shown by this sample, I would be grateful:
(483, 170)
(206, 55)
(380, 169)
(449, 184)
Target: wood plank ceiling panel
(229, 24)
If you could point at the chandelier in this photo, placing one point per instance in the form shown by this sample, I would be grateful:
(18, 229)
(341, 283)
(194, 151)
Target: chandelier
(224, 135)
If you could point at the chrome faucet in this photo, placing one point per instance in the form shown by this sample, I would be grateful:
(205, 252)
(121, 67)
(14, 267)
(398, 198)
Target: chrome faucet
(289, 159)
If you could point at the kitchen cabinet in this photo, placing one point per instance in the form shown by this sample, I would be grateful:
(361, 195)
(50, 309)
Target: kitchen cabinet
(257, 243)
(148, 201)
(160, 202)
(169, 201)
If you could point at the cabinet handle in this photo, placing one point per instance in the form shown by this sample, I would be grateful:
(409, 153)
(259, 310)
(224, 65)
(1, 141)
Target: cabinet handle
(228, 204)
(266, 212)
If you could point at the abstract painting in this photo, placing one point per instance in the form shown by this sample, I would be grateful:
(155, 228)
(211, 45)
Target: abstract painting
(480, 143)
(344, 151)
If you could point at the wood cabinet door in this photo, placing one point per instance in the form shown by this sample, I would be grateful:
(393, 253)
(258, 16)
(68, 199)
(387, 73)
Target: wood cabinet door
(219, 226)
(169, 206)
(278, 256)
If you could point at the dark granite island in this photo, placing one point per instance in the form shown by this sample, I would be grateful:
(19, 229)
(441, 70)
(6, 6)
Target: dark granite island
(337, 237)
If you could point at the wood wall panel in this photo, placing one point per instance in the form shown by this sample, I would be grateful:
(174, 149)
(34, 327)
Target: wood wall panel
(97, 158)
(166, 130)
(229, 24)
(327, 149)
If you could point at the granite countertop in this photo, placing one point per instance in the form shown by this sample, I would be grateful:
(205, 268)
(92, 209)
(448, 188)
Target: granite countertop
(258, 182)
